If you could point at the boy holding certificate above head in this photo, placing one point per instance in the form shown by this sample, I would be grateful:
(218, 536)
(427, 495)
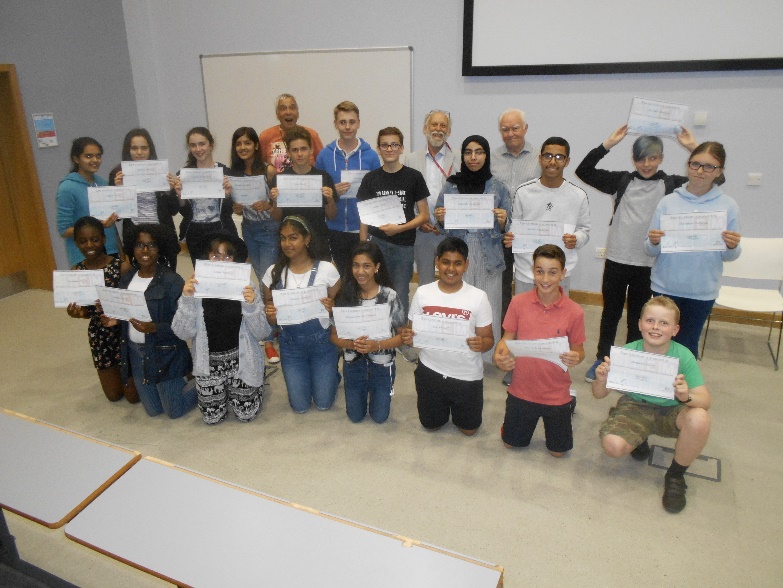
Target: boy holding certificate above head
(682, 415)
(543, 336)
(408, 186)
(456, 328)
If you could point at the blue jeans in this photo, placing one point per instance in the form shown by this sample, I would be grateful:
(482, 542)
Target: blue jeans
(162, 397)
(263, 244)
(693, 315)
(263, 248)
(363, 377)
(309, 361)
(399, 260)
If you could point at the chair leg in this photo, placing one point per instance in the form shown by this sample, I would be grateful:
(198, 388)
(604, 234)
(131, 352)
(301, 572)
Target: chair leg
(706, 332)
(775, 355)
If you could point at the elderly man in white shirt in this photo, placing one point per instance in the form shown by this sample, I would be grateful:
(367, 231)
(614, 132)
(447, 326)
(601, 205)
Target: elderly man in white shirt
(436, 163)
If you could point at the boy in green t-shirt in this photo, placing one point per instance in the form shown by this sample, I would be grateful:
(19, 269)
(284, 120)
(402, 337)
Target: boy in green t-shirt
(637, 416)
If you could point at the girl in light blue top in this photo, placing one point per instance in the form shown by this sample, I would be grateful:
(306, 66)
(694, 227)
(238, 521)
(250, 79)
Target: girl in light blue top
(692, 279)
(485, 246)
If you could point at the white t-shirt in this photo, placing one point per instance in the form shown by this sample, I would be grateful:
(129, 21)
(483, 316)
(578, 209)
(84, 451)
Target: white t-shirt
(326, 275)
(469, 303)
(137, 284)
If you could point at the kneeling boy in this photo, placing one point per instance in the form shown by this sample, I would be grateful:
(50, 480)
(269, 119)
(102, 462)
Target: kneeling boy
(451, 382)
(539, 388)
(637, 416)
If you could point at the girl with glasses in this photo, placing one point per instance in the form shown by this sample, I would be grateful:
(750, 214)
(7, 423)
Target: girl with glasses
(692, 278)
(227, 360)
(152, 355)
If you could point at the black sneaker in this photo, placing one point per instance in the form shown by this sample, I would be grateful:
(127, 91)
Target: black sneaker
(674, 494)
(641, 452)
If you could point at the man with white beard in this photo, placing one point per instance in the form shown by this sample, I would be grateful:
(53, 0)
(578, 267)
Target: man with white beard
(436, 163)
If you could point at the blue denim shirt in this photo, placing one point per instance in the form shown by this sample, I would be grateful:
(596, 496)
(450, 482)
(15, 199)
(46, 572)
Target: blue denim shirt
(491, 239)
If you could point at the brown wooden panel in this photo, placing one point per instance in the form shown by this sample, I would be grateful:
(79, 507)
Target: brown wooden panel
(22, 186)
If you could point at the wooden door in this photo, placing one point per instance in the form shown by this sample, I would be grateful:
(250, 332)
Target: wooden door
(27, 247)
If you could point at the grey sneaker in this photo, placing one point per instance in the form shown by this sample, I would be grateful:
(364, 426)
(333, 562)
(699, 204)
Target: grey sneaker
(590, 375)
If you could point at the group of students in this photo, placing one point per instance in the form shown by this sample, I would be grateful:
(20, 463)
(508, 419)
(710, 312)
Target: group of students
(293, 248)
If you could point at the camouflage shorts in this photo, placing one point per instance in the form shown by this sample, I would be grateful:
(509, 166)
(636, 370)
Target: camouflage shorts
(635, 421)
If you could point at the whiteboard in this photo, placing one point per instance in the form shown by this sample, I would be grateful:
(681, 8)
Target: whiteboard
(616, 36)
(241, 90)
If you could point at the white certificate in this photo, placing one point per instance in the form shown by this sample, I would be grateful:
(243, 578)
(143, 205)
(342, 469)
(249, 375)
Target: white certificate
(530, 235)
(652, 374)
(76, 286)
(384, 210)
(146, 176)
(221, 279)
(108, 199)
(469, 211)
(447, 334)
(299, 305)
(248, 189)
(353, 177)
(548, 349)
(653, 117)
(693, 231)
(202, 183)
(123, 304)
(372, 321)
(299, 190)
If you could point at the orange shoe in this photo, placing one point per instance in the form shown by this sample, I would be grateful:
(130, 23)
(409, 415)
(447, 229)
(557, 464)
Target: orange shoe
(272, 356)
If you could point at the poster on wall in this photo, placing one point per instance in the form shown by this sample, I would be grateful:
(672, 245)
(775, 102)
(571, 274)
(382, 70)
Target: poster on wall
(45, 133)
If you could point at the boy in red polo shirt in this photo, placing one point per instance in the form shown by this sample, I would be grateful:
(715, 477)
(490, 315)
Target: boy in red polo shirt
(540, 388)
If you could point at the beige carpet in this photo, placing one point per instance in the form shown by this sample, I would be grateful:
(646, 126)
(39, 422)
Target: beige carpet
(585, 520)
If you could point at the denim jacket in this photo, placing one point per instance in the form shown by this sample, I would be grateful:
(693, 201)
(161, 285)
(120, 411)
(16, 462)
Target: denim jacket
(491, 239)
(166, 356)
(189, 323)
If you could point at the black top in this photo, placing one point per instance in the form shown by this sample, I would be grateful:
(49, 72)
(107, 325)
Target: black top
(408, 185)
(222, 319)
(315, 217)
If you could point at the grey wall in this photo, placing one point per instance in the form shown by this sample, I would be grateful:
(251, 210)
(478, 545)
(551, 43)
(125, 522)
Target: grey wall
(166, 39)
(72, 60)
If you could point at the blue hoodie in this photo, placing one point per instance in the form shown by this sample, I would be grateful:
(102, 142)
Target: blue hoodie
(694, 274)
(331, 160)
(72, 204)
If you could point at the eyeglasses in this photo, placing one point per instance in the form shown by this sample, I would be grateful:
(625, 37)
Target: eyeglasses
(708, 167)
(389, 146)
(143, 246)
(220, 257)
(558, 157)
(476, 152)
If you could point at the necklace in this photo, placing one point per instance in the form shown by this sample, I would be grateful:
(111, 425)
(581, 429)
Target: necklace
(297, 283)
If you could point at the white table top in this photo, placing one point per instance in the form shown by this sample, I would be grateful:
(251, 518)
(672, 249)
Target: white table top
(199, 531)
(49, 474)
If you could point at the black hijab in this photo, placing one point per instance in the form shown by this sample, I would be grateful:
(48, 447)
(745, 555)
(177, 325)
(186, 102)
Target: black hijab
(470, 182)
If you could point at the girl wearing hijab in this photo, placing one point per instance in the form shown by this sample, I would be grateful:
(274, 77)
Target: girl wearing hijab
(485, 246)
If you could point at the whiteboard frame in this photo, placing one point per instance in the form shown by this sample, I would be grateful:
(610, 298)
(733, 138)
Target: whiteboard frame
(468, 69)
(375, 97)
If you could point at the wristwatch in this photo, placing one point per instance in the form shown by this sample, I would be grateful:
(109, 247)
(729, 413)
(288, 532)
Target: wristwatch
(685, 401)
